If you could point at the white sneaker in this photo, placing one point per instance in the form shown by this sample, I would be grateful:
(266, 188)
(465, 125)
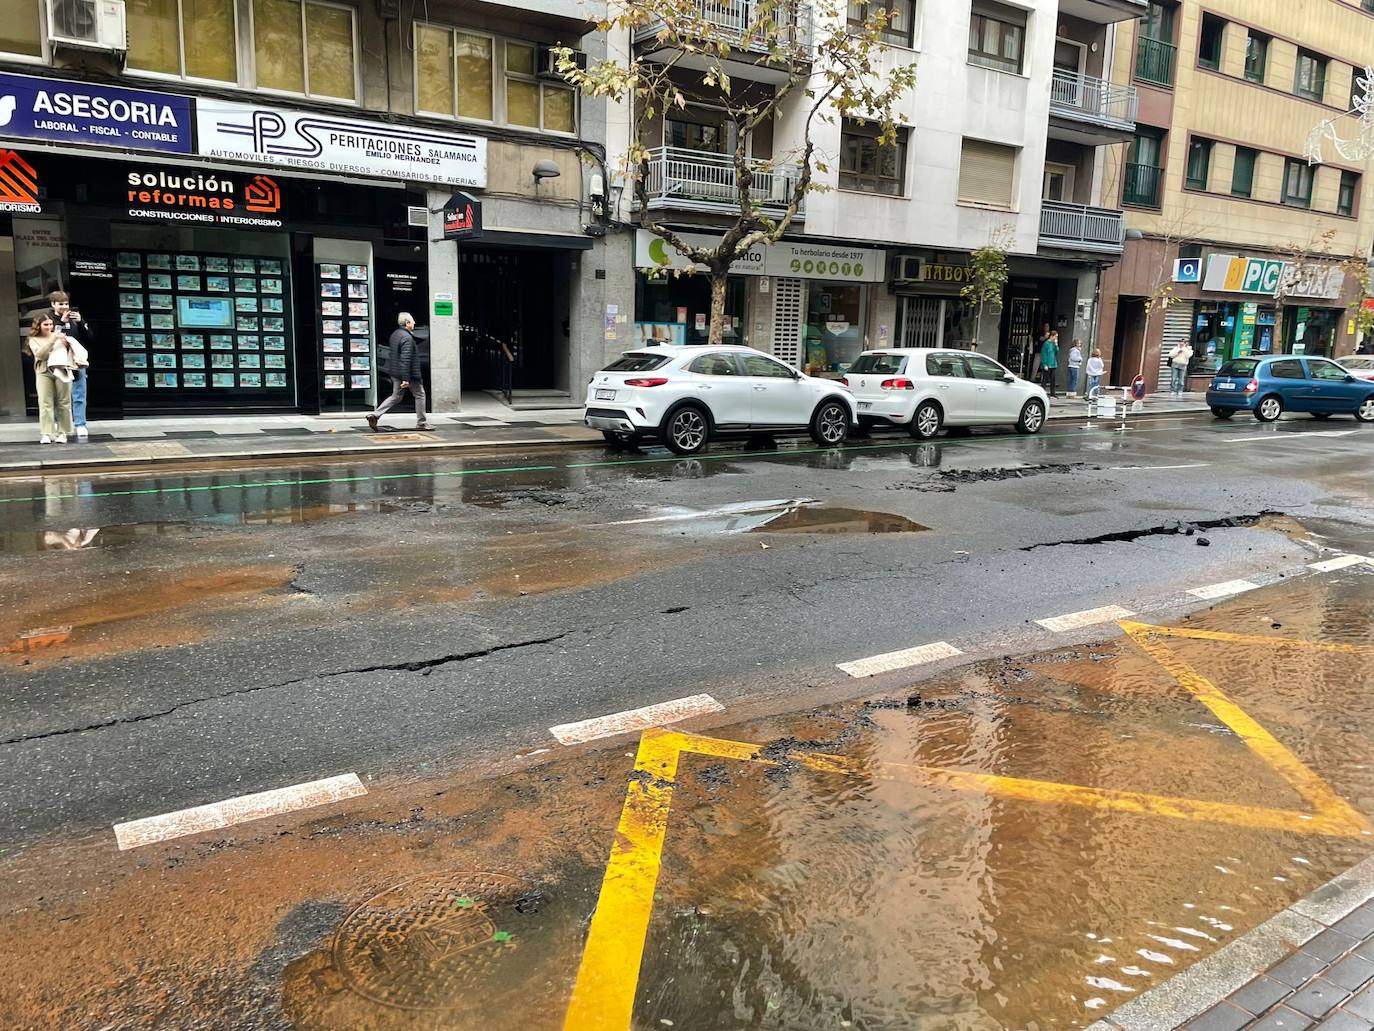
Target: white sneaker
(61, 438)
(82, 433)
(45, 439)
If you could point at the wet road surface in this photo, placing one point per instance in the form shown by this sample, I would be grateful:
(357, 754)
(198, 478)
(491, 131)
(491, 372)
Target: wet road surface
(174, 640)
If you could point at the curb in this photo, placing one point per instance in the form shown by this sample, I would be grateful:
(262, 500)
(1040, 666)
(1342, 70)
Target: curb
(1209, 981)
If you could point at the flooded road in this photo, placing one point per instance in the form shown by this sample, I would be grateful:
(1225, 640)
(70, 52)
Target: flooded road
(1021, 843)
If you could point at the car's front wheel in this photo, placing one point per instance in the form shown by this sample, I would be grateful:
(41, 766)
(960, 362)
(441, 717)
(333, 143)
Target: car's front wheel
(1269, 408)
(1032, 417)
(1365, 412)
(686, 431)
(926, 420)
(1222, 413)
(830, 424)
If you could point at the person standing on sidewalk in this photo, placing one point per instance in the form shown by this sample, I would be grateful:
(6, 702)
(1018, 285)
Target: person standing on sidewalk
(404, 370)
(1179, 358)
(52, 375)
(1075, 366)
(1095, 370)
(69, 322)
(1049, 362)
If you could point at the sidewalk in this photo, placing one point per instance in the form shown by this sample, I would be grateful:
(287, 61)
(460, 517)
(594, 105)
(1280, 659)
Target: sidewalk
(482, 422)
(1311, 966)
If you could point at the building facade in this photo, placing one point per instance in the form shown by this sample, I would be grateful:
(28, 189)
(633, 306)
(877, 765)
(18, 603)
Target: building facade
(1246, 247)
(241, 195)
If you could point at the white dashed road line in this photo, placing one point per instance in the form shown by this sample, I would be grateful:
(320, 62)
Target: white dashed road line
(636, 719)
(1340, 562)
(890, 661)
(1090, 617)
(1159, 468)
(1289, 435)
(218, 815)
(1223, 590)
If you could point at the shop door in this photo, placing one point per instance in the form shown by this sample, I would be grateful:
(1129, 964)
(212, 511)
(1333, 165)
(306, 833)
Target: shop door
(509, 302)
(1021, 336)
(921, 322)
(402, 286)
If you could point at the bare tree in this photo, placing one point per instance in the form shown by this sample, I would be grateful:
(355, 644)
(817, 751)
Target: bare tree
(1170, 234)
(837, 70)
(1310, 273)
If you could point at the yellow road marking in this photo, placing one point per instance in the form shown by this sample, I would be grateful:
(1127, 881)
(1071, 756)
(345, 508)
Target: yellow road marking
(1217, 635)
(607, 981)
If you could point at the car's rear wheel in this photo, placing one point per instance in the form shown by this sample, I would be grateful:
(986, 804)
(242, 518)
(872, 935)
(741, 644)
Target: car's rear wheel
(1269, 408)
(1222, 413)
(1365, 412)
(926, 420)
(1032, 417)
(686, 431)
(830, 424)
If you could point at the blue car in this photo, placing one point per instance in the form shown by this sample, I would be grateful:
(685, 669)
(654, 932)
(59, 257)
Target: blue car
(1268, 387)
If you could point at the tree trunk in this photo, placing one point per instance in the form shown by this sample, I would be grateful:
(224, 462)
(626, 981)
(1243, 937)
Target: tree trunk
(717, 333)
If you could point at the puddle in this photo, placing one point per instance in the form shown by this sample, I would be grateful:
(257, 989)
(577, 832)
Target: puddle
(790, 515)
(824, 519)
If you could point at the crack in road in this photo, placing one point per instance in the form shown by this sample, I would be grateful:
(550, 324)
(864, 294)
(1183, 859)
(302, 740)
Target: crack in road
(422, 666)
(1185, 527)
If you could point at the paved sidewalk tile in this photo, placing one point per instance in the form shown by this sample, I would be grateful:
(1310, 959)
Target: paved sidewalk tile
(1351, 973)
(1282, 1020)
(1260, 994)
(1297, 969)
(1221, 1017)
(1343, 1021)
(1317, 998)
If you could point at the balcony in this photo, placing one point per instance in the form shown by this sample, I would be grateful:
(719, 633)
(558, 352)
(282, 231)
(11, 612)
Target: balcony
(1141, 188)
(1154, 62)
(731, 21)
(1104, 12)
(689, 180)
(1077, 227)
(1091, 111)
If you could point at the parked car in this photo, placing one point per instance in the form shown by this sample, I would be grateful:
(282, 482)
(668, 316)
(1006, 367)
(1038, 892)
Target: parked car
(685, 396)
(1358, 365)
(1268, 387)
(924, 389)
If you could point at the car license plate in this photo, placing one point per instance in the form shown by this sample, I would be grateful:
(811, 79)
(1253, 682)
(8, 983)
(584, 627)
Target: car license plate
(1226, 386)
(865, 405)
(605, 395)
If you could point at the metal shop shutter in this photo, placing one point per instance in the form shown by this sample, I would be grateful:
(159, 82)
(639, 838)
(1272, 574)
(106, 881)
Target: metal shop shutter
(987, 174)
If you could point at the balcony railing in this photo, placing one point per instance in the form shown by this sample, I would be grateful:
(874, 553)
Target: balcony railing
(1090, 99)
(1080, 227)
(733, 19)
(698, 181)
(1142, 185)
(1154, 61)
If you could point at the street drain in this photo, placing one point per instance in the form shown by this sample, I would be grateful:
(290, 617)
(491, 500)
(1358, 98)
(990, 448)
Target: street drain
(430, 942)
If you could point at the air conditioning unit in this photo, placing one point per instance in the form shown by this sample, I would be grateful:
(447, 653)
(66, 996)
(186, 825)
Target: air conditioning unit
(87, 25)
(910, 269)
(548, 62)
(417, 216)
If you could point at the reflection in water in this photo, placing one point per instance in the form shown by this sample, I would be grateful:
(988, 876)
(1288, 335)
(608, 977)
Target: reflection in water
(789, 515)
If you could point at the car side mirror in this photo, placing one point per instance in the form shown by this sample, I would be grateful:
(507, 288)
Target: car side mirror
(1350, 379)
(1008, 378)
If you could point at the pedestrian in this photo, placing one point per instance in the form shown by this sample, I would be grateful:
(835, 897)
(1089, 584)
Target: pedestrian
(1179, 358)
(404, 369)
(1049, 362)
(69, 322)
(52, 370)
(1075, 366)
(1095, 370)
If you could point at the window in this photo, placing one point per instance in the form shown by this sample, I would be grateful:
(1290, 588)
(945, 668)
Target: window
(951, 365)
(879, 364)
(1243, 174)
(984, 368)
(530, 102)
(1154, 61)
(1143, 170)
(1286, 370)
(1297, 183)
(1326, 370)
(901, 19)
(996, 36)
(638, 362)
(869, 166)
(1199, 163)
(194, 39)
(20, 31)
(1209, 46)
(1239, 368)
(1357, 83)
(305, 47)
(714, 365)
(987, 174)
(1310, 81)
(758, 365)
(1256, 56)
(1350, 187)
(453, 72)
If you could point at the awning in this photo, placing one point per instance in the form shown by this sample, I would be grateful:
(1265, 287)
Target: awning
(524, 238)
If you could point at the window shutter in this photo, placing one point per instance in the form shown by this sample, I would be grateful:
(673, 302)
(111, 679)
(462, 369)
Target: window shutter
(987, 174)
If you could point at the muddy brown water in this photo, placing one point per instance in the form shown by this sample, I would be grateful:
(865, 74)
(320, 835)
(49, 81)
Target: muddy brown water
(787, 898)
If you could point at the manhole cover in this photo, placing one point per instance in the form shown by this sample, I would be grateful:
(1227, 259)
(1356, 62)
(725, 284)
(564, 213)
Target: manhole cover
(157, 449)
(400, 438)
(429, 943)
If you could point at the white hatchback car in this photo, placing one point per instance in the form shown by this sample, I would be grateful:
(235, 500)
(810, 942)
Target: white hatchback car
(687, 395)
(924, 389)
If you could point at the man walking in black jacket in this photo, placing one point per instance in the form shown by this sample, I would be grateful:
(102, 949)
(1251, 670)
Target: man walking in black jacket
(404, 369)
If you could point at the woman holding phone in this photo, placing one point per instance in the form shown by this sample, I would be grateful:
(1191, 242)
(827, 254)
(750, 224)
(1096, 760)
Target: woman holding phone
(67, 319)
(52, 373)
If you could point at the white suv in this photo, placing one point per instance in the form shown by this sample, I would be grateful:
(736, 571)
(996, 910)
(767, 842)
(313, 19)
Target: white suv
(687, 395)
(924, 389)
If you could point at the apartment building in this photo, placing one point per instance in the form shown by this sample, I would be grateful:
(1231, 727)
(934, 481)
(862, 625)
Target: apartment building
(241, 195)
(1003, 140)
(1233, 219)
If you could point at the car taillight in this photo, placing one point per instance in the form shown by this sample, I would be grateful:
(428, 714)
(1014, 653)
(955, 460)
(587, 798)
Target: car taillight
(1252, 386)
(655, 381)
(844, 381)
(898, 384)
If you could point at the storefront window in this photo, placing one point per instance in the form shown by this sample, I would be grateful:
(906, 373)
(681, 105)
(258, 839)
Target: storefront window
(19, 32)
(1214, 334)
(1310, 331)
(678, 310)
(835, 319)
(305, 48)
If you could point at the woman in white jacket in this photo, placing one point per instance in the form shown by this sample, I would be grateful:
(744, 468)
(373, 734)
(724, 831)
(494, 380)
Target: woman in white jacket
(53, 362)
